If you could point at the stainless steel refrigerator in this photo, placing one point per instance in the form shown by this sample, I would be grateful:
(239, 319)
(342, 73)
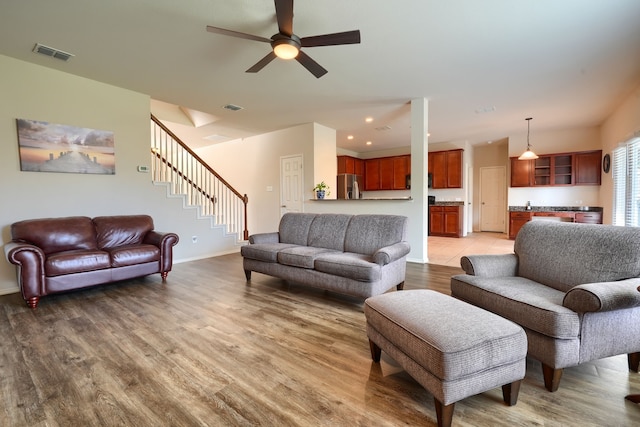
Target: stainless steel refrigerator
(349, 186)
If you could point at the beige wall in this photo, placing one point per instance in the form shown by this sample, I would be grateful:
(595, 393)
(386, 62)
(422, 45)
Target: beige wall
(38, 93)
(621, 126)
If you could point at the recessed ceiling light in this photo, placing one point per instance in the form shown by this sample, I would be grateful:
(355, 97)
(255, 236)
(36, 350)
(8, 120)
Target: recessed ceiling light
(368, 119)
(369, 142)
(350, 137)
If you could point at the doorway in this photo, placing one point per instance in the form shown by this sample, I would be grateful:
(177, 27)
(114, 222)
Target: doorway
(291, 184)
(493, 198)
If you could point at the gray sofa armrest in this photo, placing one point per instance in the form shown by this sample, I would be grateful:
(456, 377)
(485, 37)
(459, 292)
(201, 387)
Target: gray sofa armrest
(273, 237)
(501, 265)
(388, 254)
(603, 296)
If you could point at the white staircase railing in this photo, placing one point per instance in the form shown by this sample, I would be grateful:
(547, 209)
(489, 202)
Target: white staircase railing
(175, 163)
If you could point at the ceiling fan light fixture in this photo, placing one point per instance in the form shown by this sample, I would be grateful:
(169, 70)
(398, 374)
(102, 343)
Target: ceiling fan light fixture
(529, 154)
(286, 48)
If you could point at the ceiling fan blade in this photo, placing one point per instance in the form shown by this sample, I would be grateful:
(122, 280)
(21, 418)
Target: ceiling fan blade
(347, 37)
(311, 65)
(262, 63)
(237, 34)
(284, 13)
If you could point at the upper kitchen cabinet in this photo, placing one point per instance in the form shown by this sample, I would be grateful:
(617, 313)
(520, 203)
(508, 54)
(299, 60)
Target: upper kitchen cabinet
(588, 167)
(387, 173)
(445, 168)
(581, 168)
(348, 164)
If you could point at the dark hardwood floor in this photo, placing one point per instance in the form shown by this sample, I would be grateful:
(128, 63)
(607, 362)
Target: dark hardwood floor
(206, 349)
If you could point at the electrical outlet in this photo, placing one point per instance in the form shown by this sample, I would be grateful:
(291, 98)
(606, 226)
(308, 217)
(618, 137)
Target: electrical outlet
(194, 239)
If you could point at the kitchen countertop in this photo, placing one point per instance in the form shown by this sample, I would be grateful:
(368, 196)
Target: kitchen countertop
(555, 209)
(449, 203)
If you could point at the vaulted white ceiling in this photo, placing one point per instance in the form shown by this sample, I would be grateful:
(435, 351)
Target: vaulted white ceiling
(483, 65)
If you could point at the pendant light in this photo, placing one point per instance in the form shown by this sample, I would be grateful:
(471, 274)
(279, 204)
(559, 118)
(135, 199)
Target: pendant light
(528, 155)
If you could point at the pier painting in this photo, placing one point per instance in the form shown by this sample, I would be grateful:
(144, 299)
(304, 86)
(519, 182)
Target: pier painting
(48, 147)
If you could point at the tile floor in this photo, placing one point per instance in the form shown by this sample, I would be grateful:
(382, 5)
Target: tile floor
(449, 250)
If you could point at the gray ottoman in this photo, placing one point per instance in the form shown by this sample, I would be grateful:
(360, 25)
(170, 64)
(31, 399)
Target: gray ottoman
(452, 348)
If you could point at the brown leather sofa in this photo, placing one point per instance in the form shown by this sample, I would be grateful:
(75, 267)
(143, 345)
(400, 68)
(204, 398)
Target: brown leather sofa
(61, 254)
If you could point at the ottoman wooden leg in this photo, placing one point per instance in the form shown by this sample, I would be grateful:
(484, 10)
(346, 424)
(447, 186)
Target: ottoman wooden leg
(444, 413)
(510, 392)
(375, 351)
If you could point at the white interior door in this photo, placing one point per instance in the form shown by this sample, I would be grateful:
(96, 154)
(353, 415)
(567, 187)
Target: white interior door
(493, 198)
(291, 181)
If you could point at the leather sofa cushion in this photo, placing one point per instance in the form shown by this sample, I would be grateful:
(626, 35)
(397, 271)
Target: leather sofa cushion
(76, 261)
(137, 254)
(124, 230)
(56, 234)
(300, 256)
(351, 265)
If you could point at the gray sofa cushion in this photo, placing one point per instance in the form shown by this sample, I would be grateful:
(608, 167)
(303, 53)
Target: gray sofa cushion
(267, 252)
(294, 228)
(368, 233)
(521, 300)
(300, 256)
(563, 255)
(348, 264)
(328, 230)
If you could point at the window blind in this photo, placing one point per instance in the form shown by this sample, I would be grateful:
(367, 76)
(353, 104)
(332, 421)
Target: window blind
(626, 184)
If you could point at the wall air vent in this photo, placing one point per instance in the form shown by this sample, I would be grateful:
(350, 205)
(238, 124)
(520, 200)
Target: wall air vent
(232, 107)
(52, 52)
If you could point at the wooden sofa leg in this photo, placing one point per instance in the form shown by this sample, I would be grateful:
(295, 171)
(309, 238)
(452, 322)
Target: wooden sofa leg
(634, 361)
(247, 274)
(164, 275)
(33, 302)
(510, 392)
(444, 413)
(551, 377)
(400, 286)
(376, 351)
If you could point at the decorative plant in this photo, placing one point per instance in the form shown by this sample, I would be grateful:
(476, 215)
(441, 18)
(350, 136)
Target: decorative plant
(322, 187)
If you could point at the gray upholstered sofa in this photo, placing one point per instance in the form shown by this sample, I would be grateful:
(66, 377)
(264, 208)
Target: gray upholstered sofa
(359, 255)
(572, 287)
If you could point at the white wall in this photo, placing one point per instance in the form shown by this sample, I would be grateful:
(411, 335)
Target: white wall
(38, 93)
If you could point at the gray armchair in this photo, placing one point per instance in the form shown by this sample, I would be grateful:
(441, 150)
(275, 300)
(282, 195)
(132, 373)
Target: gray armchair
(572, 287)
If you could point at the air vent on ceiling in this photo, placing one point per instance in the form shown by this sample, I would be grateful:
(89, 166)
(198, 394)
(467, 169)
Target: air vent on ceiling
(385, 127)
(52, 52)
(232, 107)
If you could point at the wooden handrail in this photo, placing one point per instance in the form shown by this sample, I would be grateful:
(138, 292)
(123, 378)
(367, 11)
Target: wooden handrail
(212, 198)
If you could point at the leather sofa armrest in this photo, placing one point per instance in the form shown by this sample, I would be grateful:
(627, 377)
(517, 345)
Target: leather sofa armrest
(388, 254)
(603, 296)
(501, 265)
(165, 242)
(273, 237)
(30, 260)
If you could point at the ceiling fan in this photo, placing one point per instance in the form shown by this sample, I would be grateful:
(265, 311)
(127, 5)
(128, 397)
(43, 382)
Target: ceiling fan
(286, 45)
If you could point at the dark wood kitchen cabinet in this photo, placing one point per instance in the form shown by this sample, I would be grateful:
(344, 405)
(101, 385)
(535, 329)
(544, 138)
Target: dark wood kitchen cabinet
(445, 168)
(348, 164)
(563, 169)
(445, 221)
(387, 173)
(516, 221)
